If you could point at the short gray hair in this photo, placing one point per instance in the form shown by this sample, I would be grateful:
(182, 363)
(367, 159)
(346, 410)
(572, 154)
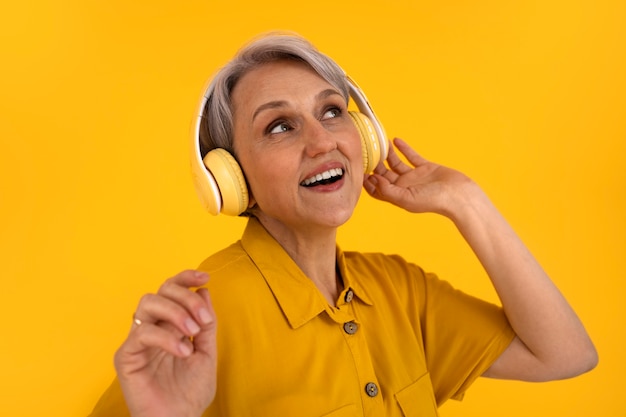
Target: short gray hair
(216, 125)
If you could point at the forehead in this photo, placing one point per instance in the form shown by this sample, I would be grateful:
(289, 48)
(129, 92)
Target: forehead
(276, 80)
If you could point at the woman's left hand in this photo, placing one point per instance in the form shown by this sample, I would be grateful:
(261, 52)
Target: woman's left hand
(420, 187)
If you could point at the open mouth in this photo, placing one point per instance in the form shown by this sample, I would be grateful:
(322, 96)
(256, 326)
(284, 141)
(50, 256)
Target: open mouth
(323, 178)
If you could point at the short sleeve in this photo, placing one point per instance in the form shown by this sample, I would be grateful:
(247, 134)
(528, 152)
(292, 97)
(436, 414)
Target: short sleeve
(458, 336)
(463, 336)
(111, 403)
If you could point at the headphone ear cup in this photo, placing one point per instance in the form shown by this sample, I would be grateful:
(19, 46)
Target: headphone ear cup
(230, 181)
(370, 143)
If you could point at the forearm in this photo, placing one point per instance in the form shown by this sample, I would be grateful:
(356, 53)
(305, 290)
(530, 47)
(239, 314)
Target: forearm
(539, 314)
(551, 341)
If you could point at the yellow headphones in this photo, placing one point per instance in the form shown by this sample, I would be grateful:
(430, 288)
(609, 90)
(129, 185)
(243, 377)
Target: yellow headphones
(220, 182)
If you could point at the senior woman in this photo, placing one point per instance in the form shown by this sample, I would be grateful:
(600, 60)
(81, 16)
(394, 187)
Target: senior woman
(306, 329)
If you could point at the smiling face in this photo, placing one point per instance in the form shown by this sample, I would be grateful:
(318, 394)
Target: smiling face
(298, 147)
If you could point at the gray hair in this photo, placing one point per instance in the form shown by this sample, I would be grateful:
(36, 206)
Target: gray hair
(216, 125)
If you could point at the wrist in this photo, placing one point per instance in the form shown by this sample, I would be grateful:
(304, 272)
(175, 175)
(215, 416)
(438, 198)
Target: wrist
(464, 202)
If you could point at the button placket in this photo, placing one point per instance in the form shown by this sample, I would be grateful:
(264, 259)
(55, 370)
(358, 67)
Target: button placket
(346, 316)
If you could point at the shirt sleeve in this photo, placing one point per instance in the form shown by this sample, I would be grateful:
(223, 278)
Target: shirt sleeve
(111, 403)
(463, 336)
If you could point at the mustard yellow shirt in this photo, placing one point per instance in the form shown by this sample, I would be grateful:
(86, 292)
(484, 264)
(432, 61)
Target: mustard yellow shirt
(398, 342)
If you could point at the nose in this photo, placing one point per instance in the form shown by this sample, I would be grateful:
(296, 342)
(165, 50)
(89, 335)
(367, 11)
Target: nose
(318, 139)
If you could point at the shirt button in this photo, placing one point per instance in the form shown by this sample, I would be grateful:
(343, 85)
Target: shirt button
(349, 296)
(350, 327)
(371, 389)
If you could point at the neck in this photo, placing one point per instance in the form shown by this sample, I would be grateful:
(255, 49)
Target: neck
(314, 250)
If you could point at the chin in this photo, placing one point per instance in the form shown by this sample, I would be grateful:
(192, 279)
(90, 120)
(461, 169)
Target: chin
(336, 218)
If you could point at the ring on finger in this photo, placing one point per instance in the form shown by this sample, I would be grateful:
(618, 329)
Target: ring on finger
(137, 321)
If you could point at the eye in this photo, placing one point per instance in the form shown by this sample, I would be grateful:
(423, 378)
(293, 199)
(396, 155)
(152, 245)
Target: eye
(331, 113)
(280, 127)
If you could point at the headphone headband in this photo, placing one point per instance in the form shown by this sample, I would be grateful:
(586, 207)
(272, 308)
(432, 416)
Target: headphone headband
(205, 184)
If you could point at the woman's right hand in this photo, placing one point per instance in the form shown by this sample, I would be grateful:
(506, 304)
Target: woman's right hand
(167, 364)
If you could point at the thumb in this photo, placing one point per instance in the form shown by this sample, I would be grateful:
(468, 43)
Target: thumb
(205, 341)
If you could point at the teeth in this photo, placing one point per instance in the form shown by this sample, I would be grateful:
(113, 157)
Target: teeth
(334, 172)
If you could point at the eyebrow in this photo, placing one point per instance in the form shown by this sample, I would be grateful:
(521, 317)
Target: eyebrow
(282, 103)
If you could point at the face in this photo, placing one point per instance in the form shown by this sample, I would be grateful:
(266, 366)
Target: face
(297, 145)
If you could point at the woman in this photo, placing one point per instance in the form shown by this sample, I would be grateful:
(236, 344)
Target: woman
(309, 330)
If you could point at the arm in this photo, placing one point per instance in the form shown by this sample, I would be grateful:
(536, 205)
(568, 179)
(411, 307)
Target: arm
(551, 341)
(167, 364)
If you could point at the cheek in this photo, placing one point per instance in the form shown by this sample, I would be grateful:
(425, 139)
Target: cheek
(266, 173)
(356, 153)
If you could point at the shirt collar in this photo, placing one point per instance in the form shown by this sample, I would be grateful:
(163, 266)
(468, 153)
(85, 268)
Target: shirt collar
(297, 296)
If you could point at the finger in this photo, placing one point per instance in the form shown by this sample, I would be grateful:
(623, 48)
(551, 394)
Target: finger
(195, 305)
(409, 153)
(205, 341)
(395, 163)
(168, 310)
(382, 170)
(385, 191)
(204, 293)
(151, 336)
(172, 328)
(190, 278)
(156, 309)
(376, 185)
(369, 183)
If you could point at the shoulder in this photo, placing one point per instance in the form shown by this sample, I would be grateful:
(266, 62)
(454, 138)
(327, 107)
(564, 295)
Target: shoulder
(388, 278)
(224, 259)
(230, 269)
(377, 260)
(380, 267)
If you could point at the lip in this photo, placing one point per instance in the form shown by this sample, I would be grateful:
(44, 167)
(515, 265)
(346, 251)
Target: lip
(323, 168)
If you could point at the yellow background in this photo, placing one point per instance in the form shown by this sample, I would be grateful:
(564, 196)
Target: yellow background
(97, 206)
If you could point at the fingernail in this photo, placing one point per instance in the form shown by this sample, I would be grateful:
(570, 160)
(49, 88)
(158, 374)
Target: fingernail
(192, 326)
(200, 274)
(205, 316)
(184, 349)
